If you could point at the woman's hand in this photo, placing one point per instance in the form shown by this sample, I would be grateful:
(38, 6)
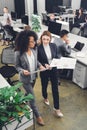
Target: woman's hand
(26, 72)
(42, 68)
(48, 66)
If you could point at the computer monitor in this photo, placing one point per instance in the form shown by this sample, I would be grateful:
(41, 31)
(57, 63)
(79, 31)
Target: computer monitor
(14, 15)
(54, 27)
(24, 19)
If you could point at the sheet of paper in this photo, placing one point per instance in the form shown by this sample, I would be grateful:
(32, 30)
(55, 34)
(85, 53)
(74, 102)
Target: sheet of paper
(37, 71)
(63, 63)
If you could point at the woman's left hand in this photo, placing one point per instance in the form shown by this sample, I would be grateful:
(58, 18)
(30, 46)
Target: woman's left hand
(42, 68)
(48, 66)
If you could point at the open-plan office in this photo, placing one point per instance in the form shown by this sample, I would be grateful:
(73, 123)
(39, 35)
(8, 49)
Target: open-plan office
(72, 91)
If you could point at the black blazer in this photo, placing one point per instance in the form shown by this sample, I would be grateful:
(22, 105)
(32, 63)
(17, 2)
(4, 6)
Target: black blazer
(42, 58)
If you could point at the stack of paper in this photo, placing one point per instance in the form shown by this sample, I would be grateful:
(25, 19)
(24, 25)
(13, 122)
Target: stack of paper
(63, 63)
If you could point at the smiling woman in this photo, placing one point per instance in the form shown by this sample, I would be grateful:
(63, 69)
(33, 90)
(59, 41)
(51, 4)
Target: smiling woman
(26, 63)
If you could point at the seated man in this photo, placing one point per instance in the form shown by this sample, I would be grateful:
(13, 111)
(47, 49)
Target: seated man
(64, 50)
(62, 43)
(52, 17)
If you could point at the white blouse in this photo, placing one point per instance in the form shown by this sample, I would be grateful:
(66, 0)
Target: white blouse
(31, 61)
(48, 52)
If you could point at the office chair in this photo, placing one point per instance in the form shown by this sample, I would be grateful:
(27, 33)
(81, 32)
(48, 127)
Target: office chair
(14, 15)
(7, 59)
(45, 19)
(24, 19)
(9, 34)
(76, 31)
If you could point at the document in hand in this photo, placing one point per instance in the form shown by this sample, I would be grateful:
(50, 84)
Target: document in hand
(63, 63)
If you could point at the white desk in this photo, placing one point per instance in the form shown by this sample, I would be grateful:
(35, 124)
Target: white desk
(65, 25)
(80, 71)
(15, 24)
(3, 82)
(66, 17)
(74, 38)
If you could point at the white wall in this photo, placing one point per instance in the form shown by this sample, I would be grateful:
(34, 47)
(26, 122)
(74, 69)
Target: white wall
(7, 3)
(41, 6)
(75, 4)
(26, 7)
(67, 2)
(29, 10)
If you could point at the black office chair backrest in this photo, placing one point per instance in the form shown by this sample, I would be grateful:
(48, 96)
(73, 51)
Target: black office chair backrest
(24, 19)
(14, 15)
(76, 31)
(9, 33)
(8, 69)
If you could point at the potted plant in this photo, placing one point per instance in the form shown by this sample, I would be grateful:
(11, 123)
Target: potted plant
(36, 25)
(12, 103)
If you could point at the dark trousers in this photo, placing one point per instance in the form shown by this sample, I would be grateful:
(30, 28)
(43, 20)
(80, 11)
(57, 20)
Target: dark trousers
(29, 89)
(51, 75)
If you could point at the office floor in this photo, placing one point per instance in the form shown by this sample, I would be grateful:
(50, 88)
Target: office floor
(73, 104)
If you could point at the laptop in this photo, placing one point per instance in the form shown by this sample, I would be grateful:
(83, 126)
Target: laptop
(78, 47)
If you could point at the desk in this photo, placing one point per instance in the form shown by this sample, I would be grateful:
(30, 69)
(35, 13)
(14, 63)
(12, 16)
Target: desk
(66, 17)
(74, 38)
(80, 71)
(65, 25)
(15, 24)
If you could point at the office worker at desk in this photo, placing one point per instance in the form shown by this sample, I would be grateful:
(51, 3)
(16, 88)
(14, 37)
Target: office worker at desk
(46, 52)
(7, 20)
(62, 43)
(64, 50)
(79, 18)
(26, 63)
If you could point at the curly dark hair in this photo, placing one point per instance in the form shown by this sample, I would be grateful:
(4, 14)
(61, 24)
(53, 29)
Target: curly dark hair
(22, 40)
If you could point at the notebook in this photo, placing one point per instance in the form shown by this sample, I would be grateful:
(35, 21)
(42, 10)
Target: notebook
(78, 46)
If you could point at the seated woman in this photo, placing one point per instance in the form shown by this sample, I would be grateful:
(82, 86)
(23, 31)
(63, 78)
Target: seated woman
(79, 18)
(52, 17)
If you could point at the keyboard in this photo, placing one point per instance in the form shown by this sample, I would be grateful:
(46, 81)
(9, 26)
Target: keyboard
(74, 49)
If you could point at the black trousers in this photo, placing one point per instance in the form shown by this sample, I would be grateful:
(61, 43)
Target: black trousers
(51, 75)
